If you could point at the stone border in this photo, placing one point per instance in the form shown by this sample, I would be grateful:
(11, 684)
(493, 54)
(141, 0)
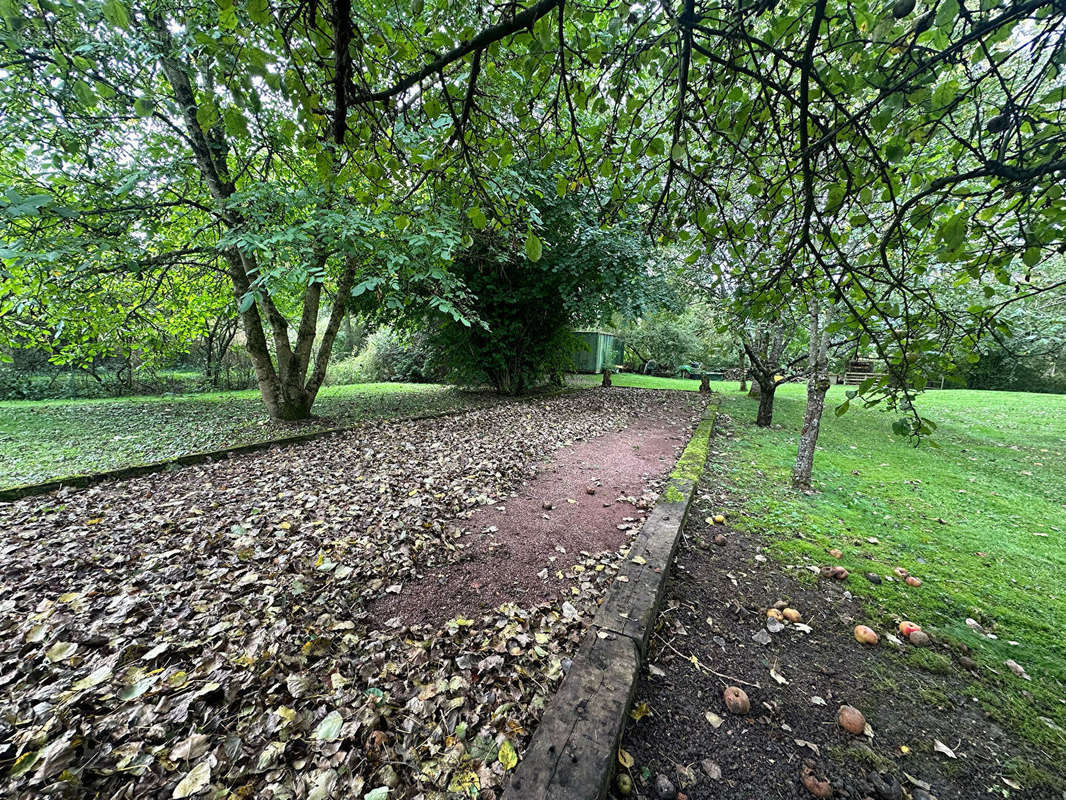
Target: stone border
(13, 493)
(572, 753)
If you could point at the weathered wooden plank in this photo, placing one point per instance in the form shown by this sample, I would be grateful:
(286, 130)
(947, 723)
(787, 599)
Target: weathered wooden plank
(572, 755)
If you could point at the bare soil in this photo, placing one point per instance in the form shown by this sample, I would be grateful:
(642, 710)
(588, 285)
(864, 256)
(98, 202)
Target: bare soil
(587, 499)
(716, 602)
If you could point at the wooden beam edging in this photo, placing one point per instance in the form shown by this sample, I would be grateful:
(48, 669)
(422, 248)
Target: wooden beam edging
(573, 750)
(13, 493)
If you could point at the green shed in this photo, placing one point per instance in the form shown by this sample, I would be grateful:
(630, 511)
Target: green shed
(596, 350)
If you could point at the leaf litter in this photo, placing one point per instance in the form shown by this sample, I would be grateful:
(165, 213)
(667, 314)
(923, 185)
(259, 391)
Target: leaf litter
(204, 631)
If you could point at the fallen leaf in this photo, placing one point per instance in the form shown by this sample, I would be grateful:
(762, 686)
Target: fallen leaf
(940, 747)
(329, 728)
(195, 781)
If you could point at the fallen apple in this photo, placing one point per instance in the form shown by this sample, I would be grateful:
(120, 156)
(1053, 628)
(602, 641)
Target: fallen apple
(912, 581)
(907, 628)
(919, 638)
(866, 634)
(839, 573)
(773, 612)
(719, 519)
(836, 553)
(900, 572)
(851, 719)
(813, 784)
(792, 615)
(736, 700)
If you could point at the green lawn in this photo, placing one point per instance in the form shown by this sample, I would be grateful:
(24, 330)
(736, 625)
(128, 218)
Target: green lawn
(980, 519)
(42, 440)
(646, 381)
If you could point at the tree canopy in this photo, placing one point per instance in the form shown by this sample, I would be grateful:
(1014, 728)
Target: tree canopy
(301, 157)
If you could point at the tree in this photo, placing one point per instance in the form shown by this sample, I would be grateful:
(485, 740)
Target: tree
(817, 386)
(526, 293)
(765, 345)
(660, 338)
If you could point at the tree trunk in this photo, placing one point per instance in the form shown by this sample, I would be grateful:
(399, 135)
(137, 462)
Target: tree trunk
(288, 392)
(705, 383)
(754, 392)
(606, 378)
(817, 386)
(812, 418)
(743, 371)
(765, 416)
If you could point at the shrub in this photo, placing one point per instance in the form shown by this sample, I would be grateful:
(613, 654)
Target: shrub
(526, 294)
(388, 355)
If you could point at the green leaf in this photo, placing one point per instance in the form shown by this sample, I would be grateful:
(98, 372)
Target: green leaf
(677, 152)
(258, 11)
(143, 107)
(245, 302)
(329, 729)
(116, 14)
(508, 757)
(477, 217)
(380, 793)
(235, 122)
(534, 249)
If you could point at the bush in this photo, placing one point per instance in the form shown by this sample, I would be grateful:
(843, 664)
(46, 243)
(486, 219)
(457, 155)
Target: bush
(661, 340)
(522, 307)
(1003, 371)
(387, 356)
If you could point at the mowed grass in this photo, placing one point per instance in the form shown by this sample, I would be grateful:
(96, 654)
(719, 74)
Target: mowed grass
(44, 440)
(980, 519)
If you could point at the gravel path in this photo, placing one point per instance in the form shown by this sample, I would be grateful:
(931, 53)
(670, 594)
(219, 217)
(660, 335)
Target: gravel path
(207, 628)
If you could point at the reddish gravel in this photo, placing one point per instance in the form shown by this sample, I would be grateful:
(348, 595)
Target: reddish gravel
(515, 549)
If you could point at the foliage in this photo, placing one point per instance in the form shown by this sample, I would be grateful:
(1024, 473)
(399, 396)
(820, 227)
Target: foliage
(660, 342)
(525, 299)
(980, 520)
(388, 355)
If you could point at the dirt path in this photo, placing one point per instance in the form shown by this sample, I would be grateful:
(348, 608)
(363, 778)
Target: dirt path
(912, 698)
(588, 498)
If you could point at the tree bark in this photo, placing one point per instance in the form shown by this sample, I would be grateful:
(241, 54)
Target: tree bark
(742, 363)
(765, 416)
(817, 386)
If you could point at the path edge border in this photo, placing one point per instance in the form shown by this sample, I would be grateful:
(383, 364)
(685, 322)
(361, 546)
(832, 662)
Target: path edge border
(574, 747)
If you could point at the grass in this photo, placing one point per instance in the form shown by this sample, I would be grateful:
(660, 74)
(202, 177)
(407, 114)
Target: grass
(43, 440)
(980, 519)
(642, 381)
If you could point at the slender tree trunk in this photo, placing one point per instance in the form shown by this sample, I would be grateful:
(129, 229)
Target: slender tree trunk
(812, 418)
(817, 386)
(754, 392)
(743, 364)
